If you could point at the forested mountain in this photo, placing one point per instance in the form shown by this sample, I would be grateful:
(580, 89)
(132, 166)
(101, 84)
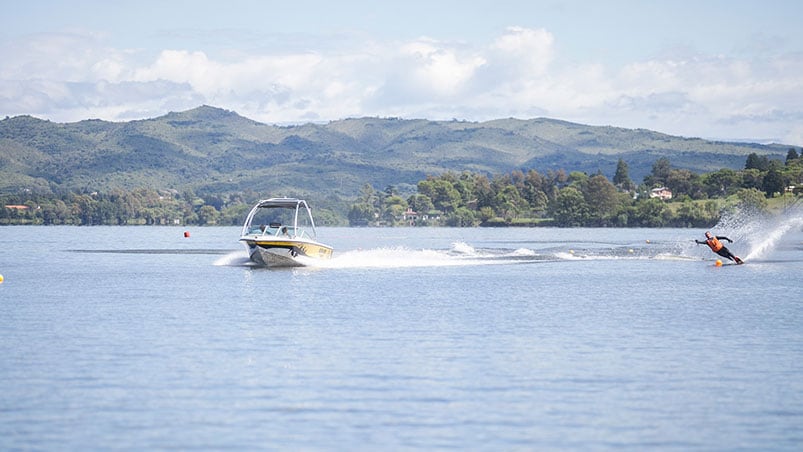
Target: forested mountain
(211, 150)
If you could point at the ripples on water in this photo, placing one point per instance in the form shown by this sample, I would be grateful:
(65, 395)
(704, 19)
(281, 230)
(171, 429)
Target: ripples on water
(138, 338)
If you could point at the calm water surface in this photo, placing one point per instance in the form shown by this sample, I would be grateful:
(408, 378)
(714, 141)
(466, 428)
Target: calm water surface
(479, 339)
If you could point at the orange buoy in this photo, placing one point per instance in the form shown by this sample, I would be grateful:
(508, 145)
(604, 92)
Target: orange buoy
(718, 263)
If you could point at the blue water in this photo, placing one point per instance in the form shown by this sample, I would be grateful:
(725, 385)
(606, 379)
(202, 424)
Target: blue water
(470, 339)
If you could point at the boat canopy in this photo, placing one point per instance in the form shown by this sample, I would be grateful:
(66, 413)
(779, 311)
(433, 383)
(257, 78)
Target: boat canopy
(287, 203)
(269, 214)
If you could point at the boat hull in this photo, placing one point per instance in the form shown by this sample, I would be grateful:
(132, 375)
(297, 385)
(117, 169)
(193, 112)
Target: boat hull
(285, 253)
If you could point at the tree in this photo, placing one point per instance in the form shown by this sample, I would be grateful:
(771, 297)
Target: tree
(569, 208)
(555, 179)
(86, 207)
(461, 217)
(651, 213)
(621, 178)
(369, 196)
(207, 215)
(234, 214)
(721, 183)
(793, 172)
(465, 186)
(683, 181)
(538, 202)
(791, 155)
(394, 208)
(509, 203)
(773, 183)
(688, 213)
(444, 195)
(420, 203)
(361, 214)
(486, 213)
(532, 191)
(752, 178)
(659, 174)
(754, 161)
(483, 191)
(577, 178)
(601, 198)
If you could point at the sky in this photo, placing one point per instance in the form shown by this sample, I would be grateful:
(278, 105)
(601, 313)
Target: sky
(725, 70)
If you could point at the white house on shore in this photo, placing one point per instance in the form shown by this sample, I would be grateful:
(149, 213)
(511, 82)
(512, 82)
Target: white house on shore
(661, 192)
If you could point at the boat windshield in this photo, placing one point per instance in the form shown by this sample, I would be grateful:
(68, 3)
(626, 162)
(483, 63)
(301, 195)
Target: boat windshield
(280, 221)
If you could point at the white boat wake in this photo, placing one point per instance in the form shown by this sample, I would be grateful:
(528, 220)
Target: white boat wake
(401, 257)
(463, 254)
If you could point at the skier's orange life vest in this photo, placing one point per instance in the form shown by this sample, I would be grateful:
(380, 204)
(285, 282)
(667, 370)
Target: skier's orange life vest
(714, 244)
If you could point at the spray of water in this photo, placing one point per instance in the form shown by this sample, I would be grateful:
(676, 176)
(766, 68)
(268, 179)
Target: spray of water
(235, 258)
(764, 245)
(762, 233)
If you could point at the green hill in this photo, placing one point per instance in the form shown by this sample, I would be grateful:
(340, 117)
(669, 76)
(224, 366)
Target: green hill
(209, 149)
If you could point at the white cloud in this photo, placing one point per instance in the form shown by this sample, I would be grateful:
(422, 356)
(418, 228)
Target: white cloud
(531, 51)
(66, 56)
(715, 96)
(78, 75)
(437, 69)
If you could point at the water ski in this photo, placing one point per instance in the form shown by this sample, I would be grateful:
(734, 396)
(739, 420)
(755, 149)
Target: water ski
(720, 263)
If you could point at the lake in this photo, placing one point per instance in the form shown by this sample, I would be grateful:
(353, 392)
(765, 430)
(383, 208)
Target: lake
(409, 338)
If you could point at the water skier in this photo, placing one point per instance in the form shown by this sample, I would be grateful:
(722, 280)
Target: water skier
(716, 246)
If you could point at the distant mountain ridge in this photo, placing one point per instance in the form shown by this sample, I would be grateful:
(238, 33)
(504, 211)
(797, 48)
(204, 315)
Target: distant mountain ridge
(210, 149)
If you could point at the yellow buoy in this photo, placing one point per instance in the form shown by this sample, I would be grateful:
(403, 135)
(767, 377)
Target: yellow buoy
(1, 279)
(718, 263)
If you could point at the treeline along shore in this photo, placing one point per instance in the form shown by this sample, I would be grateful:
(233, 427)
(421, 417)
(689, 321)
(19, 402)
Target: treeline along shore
(667, 197)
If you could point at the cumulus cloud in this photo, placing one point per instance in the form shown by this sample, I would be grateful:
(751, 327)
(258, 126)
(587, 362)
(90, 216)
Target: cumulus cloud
(77, 75)
(438, 70)
(529, 51)
(714, 95)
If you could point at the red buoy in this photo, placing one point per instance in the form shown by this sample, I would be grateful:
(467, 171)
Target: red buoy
(186, 234)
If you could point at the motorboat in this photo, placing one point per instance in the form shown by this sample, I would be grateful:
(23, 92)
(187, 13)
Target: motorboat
(280, 232)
